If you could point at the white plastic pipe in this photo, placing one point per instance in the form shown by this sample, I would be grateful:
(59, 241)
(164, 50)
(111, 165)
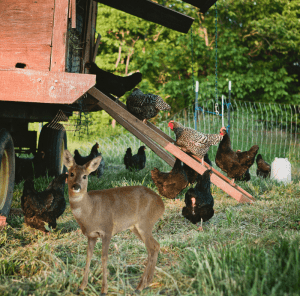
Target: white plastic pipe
(222, 110)
(229, 87)
(197, 86)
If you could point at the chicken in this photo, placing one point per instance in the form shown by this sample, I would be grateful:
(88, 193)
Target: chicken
(170, 184)
(199, 201)
(191, 174)
(81, 160)
(138, 161)
(145, 106)
(109, 83)
(45, 206)
(128, 158)
(30, 167)
(246, 177)
(263, 168)
(235, 164)
(192, 141)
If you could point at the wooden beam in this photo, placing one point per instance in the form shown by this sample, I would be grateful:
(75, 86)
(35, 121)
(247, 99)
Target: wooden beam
(59, 35)
(96, 47)
(203, 5)
(73, 14)
(113, 108)
(153, 12)
(44, 86)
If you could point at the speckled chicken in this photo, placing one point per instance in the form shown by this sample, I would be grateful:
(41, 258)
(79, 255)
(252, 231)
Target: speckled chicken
(192, 141)
(145, 106)
(170, 184)
(191, 174)
(199, 200)
(45, 206)
(235, 164)
(81, 160)
(263, 168)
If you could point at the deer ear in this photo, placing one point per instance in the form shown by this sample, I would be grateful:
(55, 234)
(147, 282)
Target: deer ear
(93, 164)
(68, 159)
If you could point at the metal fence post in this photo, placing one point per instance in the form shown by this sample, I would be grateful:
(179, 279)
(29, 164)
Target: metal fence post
(196, 105)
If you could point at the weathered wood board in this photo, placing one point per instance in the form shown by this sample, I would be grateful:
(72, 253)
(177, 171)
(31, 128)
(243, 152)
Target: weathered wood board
(25, 34)
(23, 85)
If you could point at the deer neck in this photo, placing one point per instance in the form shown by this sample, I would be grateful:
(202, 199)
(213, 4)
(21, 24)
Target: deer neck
(80, 204)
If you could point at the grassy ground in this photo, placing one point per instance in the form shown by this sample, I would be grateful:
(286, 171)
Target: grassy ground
(243, 250)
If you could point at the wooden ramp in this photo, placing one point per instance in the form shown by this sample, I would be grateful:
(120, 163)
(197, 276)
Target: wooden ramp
(160, 143)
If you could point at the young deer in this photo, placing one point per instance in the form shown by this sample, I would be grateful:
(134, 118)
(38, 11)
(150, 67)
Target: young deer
(103, 213)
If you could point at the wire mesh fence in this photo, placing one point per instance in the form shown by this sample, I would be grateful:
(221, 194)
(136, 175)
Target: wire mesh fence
(275, 128)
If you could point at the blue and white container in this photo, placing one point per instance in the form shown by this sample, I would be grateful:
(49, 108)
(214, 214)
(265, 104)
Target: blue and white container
(281, 170)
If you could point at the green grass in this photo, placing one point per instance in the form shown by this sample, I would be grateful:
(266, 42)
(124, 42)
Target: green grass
(243, 250)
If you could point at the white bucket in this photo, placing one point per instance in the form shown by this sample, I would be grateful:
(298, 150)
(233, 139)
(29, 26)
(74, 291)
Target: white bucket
(281, 170)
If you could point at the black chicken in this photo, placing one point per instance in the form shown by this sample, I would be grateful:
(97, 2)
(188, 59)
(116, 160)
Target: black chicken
(199, 201)
(109, 83)
(191, 174)
(235, 164)
(81, 160)
(263, 168)
(128, 158)
(170, 184)
(30, 167)
(145, 106)
(45, 206)
(138, 161)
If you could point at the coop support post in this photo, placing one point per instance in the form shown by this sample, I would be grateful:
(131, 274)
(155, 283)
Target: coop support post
(228, 108)
(196, 104)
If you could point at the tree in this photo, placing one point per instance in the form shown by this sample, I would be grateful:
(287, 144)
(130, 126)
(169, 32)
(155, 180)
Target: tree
(258, 50)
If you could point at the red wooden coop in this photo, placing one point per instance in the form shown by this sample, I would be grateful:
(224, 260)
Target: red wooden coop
(44, 46)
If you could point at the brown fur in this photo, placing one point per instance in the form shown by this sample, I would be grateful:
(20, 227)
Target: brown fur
(103, 213)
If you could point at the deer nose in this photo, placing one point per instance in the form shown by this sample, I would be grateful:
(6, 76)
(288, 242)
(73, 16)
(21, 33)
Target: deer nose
(76, 187)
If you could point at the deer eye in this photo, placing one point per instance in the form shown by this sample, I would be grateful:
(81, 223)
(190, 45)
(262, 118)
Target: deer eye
(72, 175)
(84, 177)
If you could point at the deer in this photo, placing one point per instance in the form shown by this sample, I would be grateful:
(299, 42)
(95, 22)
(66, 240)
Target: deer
(103, 213)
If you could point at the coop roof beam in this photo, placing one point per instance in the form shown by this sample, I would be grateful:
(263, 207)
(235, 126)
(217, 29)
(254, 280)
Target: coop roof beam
(203, 5)
(153, 12)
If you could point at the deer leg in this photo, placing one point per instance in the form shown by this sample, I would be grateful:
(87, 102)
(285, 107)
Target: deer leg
(153, 248)
(91, 245)
(105, 245)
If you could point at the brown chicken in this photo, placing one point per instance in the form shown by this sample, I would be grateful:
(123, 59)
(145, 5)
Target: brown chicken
(263, 168)
(145, 106)
(192, 141)
(199, 201)
(235, 164)
(45, 206)
(170, 184)
(191, 174)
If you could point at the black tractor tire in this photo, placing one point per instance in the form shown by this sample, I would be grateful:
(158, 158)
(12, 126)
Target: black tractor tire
(7, 171)
(53, 141)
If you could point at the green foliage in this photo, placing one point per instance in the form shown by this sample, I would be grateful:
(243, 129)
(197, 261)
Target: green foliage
(258, 50)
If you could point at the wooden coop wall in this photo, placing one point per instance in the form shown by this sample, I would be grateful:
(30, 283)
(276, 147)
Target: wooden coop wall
(26, 33)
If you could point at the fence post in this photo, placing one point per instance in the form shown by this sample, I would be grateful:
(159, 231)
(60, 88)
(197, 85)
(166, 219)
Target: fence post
(228, 107)
(196, 105)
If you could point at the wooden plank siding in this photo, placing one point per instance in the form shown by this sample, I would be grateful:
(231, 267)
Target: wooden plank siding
(25, 34)
(59, 36)
(43, 86)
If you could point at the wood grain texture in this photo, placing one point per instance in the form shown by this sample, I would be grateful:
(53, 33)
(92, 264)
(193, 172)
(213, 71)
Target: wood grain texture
(153, 12)
(44, 87)
(59, 36)
(114, 108)
(25, 34)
